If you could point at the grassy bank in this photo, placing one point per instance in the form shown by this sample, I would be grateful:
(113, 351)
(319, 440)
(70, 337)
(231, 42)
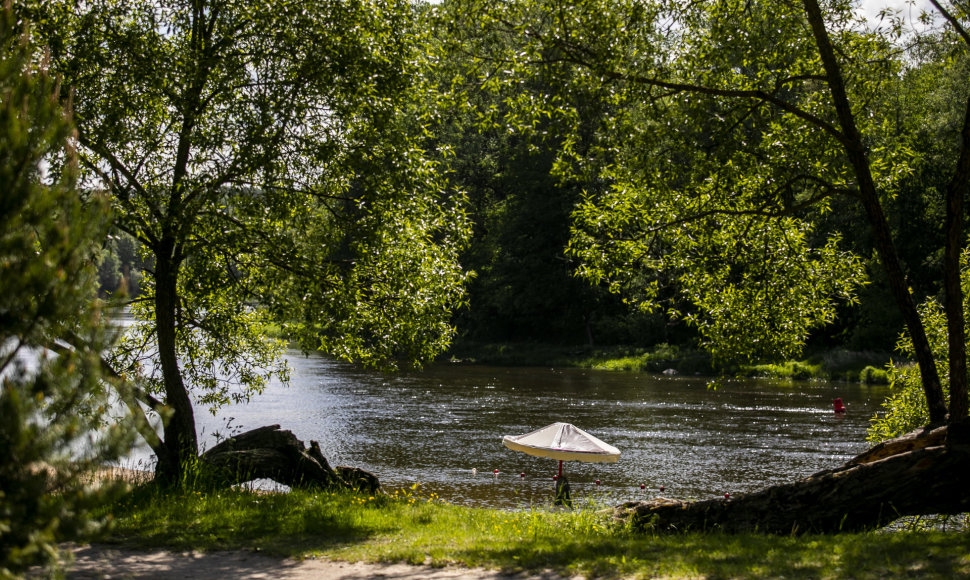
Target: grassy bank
(618, 358)
(836, 364)
(407, 526)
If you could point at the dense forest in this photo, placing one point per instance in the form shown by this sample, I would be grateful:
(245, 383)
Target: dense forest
(379, 178)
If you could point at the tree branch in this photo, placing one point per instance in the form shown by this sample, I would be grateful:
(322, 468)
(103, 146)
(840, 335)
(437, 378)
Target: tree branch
(952, 20)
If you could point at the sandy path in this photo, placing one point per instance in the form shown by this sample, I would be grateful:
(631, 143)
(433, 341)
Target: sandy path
(104, 562)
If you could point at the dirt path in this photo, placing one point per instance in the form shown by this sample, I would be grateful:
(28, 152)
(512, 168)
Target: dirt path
(105, 562)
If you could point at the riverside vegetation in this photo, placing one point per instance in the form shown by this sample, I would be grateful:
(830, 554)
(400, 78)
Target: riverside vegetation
(868, 367)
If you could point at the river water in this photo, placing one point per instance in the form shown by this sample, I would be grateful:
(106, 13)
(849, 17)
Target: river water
(434, 427)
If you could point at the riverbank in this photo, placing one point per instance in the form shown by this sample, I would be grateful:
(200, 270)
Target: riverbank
(254, 535)
(867, 367)
(835, 364)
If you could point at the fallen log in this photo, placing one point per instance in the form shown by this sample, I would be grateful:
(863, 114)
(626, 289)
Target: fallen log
(919, 439)
(867, 492)
(271, 453)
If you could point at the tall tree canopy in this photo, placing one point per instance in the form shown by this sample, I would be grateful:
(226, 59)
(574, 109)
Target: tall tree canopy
(737, 125)
(524, 287)
(258, 153)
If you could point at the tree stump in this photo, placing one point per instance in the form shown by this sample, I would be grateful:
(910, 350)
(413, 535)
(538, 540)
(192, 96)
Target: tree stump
(927, 472)
(271, 453)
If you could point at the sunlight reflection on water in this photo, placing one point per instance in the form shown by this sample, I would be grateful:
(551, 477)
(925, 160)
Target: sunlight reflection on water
(434, 427)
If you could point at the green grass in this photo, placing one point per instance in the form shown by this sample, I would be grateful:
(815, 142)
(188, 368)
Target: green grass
(408, 527)
(619, 358)
(837, 364)
(840, 365)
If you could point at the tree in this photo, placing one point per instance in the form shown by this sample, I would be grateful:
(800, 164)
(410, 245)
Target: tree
(524, 287)
(53, 400)
(740, 123)
(906, 409)
(737, 125)
(258, 154)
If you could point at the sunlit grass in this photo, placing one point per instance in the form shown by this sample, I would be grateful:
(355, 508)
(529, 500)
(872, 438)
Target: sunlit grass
(408, 526)
(836, 364)
(800, 370)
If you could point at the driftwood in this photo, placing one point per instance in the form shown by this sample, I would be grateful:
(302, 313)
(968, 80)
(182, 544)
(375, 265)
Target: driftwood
(270, 453)
(925, 472)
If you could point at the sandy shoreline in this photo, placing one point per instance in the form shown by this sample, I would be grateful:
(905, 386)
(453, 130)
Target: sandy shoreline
(110, 562)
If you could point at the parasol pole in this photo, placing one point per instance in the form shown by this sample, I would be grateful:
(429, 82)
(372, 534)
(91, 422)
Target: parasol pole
(560, 468)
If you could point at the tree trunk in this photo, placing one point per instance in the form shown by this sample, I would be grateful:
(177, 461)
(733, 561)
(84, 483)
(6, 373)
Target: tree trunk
(588, 325)
(956, 337)
(931, 476)
(269, 453)
(953, 305)
(180, 439)
(855, 149)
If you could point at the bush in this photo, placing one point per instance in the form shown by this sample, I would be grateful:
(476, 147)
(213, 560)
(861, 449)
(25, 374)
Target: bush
(873, 376)
(906, 408)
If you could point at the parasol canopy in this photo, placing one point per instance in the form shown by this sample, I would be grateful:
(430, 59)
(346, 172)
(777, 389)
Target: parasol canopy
(564, 442)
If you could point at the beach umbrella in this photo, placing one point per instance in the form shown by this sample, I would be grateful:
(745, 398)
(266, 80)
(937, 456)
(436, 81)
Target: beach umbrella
(564, 442)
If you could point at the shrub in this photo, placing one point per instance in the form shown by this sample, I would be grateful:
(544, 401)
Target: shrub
(873, 376)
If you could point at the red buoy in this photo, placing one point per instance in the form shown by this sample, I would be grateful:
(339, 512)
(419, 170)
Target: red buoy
(643, 486)
(661, 489)
(522, 474)
(727, 496)
(597, 482)
(838, 406)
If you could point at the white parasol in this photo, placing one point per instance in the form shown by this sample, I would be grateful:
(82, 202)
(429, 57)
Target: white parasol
(564, 442)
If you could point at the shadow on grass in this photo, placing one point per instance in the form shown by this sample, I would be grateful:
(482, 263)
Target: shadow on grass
(413, 529)
(899, 555)
(273, 523)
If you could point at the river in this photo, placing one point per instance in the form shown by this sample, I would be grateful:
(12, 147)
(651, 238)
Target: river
(434, 427)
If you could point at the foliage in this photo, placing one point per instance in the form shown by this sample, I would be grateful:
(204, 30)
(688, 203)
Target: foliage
(518, 73)
(259, 155)
(905, 408)
(121, 267)
(53, 401)
(656, 358)
(833, 365)
(414, 527)
(697, 187)
(873, 376)
(525, 288)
